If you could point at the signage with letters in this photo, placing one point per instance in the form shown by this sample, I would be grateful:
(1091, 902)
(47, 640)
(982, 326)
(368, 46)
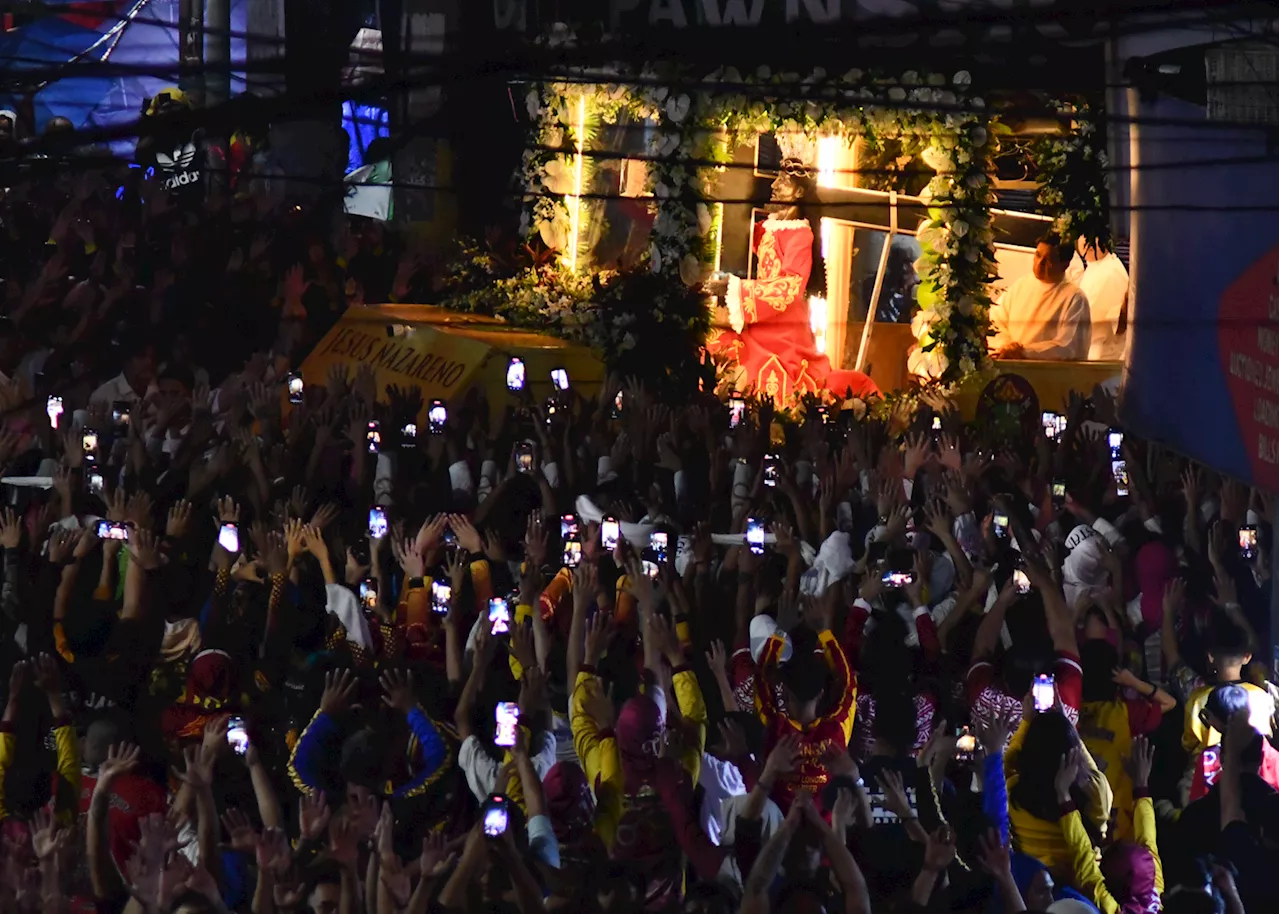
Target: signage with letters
(623, 16)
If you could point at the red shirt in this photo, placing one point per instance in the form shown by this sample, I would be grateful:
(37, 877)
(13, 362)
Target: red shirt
(831, 731)
(989, 703)
(1209, 768)
(133, 798)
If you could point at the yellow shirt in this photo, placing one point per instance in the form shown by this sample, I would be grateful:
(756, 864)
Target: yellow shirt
(1196, 737)
(1040, 838)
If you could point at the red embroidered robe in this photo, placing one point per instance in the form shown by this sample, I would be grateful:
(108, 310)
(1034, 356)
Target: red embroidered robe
(772, 339)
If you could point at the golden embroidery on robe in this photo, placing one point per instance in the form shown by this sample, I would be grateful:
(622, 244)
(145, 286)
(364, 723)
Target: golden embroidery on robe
(772, 380)
(773, 288)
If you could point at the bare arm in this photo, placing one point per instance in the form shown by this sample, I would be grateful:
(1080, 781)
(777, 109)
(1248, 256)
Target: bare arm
(755, 893)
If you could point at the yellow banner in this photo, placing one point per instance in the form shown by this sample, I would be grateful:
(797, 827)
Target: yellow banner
(436, 362)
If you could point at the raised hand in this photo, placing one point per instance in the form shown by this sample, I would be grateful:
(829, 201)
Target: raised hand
(178, 522)
(408, 558)
(782, 759)
(1141, 755)
(10, 530)
(144, 550)
(468, 536)
(598, 634)
(121, 759)
(339, 686)
(940, 849)
(313, 816)
(241, 834)
(273, 851)
(397, 690)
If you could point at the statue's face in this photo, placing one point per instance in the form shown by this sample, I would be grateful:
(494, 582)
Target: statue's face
(786, 189)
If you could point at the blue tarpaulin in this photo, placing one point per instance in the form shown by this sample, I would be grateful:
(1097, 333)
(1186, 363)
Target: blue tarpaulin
(64, 52)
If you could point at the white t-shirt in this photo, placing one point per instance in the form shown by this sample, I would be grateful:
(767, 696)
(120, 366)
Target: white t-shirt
(1105, 283)
(1049, 320)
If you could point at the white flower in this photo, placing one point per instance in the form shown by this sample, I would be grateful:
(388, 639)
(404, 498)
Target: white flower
(731, 75)
(966, 365)
(533, 104)
(655, 259)
(678, 107)
(558, 177)
(852, 76)
(670, 143)
(897, 93)
(971, 254)
(628, 342)
(931, 365)
(975, 180)
(691, 270)
(552, 234)
(524, 223)
(936, 79)
(922, 323)
(936, 157)
(962, 78)
(978, 136)
(922, 265)
(959, 228)
(704, 219)
(977, 102)
(554, 137)
(911, 78)
(965, 305)
(763, 72)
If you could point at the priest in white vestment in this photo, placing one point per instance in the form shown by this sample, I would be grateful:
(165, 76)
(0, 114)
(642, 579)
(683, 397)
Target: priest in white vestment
(1042, 316)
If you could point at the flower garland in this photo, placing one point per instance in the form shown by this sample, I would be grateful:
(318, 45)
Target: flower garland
(957, 261)
(1073, 176)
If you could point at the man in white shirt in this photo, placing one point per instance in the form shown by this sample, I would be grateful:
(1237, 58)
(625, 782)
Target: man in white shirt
(1105, 282)
(1042, 316)
(131, 385)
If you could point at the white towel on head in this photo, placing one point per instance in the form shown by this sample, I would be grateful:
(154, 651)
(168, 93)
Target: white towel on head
(635, 534)
(833, 563)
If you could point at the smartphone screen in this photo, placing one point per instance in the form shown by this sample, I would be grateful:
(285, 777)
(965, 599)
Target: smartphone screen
(1053, 424)
(1120, 473)
(737, 411)
(1115, 441)
(373, 437)
(770, 470)
(755, 536)
(295, 387)
(658, 545)
(120, 413)
(89, 441)
(937, 424)
(897, 579)
(54, 410)
(610, 532)
(1021, 582)
(1059, 491)
(237, 736)
(515, 374)
(499, 616)
(560, 378)
(409, 434)
(108, 530)
(572, 545)
(377, 522)
(495, 817)
(506, 718)
(1249, 542)
(524, 457)
(617, 407)
(966, 743)
(229, 538)
(1042, 692)
(1000, 524)
(437, 415)
(369, 593)
(441, 595)
(97, 485)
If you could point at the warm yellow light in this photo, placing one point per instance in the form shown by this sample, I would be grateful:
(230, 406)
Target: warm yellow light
(824, 233)
(575, 206)
(828, 160)
(818, 322)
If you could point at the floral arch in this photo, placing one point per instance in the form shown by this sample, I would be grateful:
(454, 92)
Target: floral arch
(693, 126)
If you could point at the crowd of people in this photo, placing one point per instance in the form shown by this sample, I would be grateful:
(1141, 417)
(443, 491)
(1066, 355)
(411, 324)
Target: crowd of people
(629, 656)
